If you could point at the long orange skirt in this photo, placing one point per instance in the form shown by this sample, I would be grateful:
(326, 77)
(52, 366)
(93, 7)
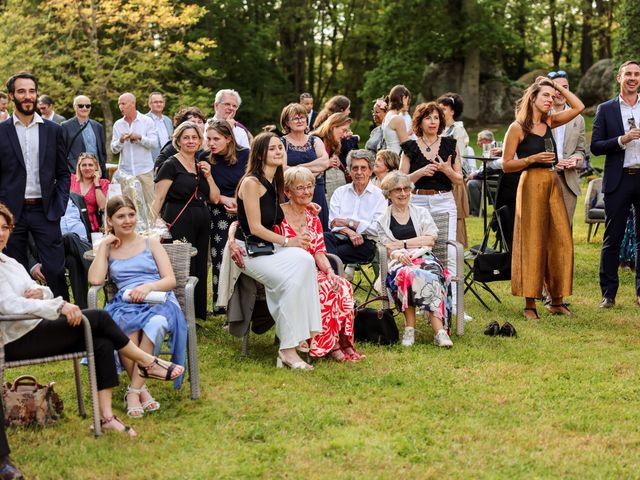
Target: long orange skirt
(542, 252)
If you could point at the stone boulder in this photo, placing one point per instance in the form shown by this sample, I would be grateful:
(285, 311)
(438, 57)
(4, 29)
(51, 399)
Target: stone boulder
(597, 84)
(529, 77)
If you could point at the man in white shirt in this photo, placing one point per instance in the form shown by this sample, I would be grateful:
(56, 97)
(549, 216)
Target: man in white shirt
(45, 105)
(571, 146)
(354, 212)
(226, 105)
(163, 124)
(134, 137)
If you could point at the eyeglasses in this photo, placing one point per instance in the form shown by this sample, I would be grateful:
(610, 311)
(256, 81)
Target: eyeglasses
(298, 119)
(558, 74)
(83, 105)
(304, 188)
(402, 190)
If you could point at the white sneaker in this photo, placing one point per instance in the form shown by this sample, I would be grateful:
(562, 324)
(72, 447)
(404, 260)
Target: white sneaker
(467, 318)
(349, 272)
(442, 339)
(408, 339)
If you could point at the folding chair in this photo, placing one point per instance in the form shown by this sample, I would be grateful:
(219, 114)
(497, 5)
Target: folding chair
(76, 356)
(180, 256)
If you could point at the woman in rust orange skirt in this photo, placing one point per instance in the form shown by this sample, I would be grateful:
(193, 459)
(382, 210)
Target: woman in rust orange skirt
(542, 243)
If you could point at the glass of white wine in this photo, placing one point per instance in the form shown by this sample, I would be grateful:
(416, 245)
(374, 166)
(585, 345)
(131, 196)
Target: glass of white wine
(550, 148)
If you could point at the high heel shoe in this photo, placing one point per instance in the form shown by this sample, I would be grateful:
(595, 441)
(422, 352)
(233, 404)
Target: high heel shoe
(114, 423)
(150, 405)
(133, 412)
(281, 362)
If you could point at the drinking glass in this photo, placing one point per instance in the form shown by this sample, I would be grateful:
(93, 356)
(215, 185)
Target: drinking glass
(550, 148)
(486, 150)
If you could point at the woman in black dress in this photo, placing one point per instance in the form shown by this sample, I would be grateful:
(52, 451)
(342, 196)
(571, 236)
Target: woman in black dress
(228, 163)
(183, 188)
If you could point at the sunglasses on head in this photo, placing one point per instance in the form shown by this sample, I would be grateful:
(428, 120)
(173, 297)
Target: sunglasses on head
(558, 74)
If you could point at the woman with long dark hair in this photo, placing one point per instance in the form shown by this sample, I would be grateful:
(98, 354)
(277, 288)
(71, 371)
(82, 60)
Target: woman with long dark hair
(337, 104)
(289, 273)
(542, 244)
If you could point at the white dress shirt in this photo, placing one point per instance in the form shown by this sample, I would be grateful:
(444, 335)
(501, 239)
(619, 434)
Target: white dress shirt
(14, 281)
(240, 134)
(631, 149)
(161, 128)
(135, 157)
(29, 138)
(364, 209)
(558, 135)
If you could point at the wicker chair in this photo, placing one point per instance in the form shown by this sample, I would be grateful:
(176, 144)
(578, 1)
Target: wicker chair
(593, 215)
(88, 353)
(180, 256)
(440, 250)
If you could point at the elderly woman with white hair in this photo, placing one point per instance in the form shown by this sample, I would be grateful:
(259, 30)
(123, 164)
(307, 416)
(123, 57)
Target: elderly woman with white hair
(183, 188)
(353, 212)
(415, 278)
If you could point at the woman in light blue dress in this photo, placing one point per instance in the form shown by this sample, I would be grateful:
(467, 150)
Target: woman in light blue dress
(139, 265)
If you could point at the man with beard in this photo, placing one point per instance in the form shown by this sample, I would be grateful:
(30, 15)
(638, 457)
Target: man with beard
(616, 135)
(34, 181)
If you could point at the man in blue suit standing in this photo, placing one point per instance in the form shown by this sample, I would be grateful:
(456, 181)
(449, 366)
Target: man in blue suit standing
(616, 135)
(162, 122)
(34, 181)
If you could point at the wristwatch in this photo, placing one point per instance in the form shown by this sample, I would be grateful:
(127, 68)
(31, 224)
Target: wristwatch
(351, 224)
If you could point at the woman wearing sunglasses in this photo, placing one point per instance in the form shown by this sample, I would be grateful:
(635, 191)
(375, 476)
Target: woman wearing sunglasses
(87, 182)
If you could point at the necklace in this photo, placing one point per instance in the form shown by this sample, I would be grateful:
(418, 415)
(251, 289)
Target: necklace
(429, 145)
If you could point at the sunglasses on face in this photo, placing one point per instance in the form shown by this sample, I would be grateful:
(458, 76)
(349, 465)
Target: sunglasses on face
(558, 74)
(83, 105)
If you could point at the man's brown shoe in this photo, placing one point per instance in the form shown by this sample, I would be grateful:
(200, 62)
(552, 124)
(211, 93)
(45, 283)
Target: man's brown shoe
(607, 302)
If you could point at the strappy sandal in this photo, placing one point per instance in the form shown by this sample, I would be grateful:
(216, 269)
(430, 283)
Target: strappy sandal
(559, 309)
(339, 356)
(151, 405)
(354, 356)
(531, 317)
(106, 424)
(169, 368)
(281, 362)
(133, 412)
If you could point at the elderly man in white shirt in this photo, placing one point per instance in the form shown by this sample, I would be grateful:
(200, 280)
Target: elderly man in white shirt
(226, 105)
(354, 211)
(134, 138)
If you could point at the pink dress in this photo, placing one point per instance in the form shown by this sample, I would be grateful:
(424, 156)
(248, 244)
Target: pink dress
(336, 308)
(90, 199)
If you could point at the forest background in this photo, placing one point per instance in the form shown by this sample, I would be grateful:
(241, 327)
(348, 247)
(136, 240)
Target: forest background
(272, 50)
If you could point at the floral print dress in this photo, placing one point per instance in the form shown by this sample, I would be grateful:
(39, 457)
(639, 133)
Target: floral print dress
(336, 308)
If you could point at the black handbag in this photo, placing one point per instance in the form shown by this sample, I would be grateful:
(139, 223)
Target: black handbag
(256, 247)
(375, 325)
(492, 265)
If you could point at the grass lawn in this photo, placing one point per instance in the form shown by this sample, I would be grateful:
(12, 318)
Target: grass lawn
(558, 401)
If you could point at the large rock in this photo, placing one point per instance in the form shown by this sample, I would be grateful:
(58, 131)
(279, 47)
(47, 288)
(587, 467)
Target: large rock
(597, 84)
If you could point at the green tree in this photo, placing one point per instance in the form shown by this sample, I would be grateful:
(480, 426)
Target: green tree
(627, 44)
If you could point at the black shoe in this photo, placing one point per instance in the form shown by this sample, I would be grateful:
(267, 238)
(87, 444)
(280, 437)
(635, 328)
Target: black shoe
(607, 302)
(493, 329)
(8, 471)
(508, 330)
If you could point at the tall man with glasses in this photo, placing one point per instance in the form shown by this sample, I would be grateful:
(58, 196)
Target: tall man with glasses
(570, 139)
(164, 127)
(616, 135)
(83, 134)
(226, 105)
(34, 181)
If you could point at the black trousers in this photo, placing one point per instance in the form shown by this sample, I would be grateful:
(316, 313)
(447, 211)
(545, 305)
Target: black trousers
(506, 196)
(48, 239)
(194, 225)
(57, 337)
(347, 252)
(616, 210)
(74, 249)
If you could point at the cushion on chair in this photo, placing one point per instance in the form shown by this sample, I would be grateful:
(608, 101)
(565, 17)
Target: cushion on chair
(596, 214)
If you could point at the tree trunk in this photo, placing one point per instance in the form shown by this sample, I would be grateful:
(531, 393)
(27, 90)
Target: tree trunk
(586, 48)
(470, 84)
(554, 34)
(571, 30)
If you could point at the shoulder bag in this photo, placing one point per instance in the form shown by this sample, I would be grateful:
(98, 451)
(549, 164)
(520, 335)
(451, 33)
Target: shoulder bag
(29, 403)
(375, 325)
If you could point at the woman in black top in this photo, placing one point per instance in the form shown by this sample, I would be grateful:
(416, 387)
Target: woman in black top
(289, 274)
(542, 244)
(433, 165)
(183, 188)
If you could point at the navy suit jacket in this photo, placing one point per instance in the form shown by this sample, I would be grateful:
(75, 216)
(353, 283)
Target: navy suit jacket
(607, 127)
(70, 130)
(54, 172)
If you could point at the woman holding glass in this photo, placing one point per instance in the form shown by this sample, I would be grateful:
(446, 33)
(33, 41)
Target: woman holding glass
(542, 244)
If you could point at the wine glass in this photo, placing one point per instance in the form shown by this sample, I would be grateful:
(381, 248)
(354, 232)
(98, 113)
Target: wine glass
(550, 148)
(486, 150)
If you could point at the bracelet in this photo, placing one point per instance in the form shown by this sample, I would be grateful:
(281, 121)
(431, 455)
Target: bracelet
(286, 241)
(64, 302)
(526, 160)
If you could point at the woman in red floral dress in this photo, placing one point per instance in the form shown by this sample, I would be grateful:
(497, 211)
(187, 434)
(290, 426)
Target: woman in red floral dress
(336, 295)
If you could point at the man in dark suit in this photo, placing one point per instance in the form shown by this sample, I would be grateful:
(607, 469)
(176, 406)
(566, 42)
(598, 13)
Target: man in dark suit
(616, 135)
(83, 134)
(306, 100)
(34, 180)
(45, 105)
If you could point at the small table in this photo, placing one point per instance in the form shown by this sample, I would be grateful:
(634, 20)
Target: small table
(484, 161)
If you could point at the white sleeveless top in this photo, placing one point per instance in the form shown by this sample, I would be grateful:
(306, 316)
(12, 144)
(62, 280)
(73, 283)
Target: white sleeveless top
(390, 136)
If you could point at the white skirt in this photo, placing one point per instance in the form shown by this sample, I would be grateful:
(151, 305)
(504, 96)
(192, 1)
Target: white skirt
(290, 281)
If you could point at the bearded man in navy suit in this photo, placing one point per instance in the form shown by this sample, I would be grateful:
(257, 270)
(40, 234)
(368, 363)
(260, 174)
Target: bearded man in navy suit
(34, 181)
(616, 135)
